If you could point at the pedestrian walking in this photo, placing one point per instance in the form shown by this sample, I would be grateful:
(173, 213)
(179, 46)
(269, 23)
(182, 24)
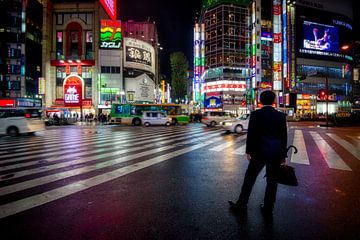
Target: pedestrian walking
(265, 146)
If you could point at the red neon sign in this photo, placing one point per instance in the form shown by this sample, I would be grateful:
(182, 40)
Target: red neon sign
(7, 103)
(73, 91)
(110, 8)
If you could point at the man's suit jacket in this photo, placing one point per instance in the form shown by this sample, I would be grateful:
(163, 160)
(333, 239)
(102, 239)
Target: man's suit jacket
(267, 134)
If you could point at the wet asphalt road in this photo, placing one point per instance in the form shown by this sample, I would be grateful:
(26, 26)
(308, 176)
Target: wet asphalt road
(122, 182)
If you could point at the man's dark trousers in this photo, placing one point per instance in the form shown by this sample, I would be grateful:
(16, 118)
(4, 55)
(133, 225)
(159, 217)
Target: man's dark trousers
(253, 170)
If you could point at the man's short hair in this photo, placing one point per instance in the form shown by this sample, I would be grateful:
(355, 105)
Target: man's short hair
(267, 97)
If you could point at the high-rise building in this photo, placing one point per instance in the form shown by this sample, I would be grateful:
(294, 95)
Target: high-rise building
(227, 56)
(20, 48)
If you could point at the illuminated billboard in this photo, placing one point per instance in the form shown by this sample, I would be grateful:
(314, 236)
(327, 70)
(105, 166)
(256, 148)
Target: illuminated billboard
(110, 34)
(110, 7)
(321, 37)
(321, 34)
(139, 55)
(73, 90)
(224, 85)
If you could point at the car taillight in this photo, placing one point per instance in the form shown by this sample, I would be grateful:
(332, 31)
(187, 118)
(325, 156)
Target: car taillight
(205, 118)
(27, 115)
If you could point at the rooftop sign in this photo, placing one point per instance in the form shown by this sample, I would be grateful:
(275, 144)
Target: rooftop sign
(110, 7)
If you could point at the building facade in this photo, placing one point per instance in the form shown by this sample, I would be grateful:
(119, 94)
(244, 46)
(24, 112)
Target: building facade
(227, 57)
(141, 61)
(20, 48)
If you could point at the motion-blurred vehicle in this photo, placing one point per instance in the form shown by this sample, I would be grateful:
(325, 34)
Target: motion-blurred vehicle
(236, 125)
(211, 119)
(155, 118)
(18, 121)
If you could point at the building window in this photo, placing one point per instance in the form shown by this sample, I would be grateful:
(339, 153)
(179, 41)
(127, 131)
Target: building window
(59, 44)
(105, 69)
(59, 19)
(74, 40)
(89, 45)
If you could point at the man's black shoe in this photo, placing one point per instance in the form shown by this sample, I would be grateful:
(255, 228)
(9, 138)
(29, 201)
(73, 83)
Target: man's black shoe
(266, 211)
(237, 208)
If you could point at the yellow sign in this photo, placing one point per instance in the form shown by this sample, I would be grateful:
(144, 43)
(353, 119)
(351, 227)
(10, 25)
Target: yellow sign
(41, 89)
(163, 91)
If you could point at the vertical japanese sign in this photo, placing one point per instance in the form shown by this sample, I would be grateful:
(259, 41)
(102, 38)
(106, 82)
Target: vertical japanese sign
(253, 45)
(292, 34)
(41, 89)
(277, 56)
(199, 60)
(284, 45)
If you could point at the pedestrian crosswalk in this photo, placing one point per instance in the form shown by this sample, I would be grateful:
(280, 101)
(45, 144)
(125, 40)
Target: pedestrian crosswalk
(35, 170)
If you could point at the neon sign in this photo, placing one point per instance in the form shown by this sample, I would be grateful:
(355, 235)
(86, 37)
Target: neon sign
(73, 89)
(110, 34)
(110, 7)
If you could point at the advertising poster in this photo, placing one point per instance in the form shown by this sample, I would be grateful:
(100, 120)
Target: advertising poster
(139, 55)
(213, 101)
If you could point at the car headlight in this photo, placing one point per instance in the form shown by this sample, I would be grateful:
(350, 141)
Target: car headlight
(228, 124)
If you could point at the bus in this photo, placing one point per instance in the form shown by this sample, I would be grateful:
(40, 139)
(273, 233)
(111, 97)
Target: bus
(131, 113)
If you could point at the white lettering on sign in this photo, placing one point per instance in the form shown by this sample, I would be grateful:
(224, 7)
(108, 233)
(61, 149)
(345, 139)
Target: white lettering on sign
(110, 45)
(71, 95)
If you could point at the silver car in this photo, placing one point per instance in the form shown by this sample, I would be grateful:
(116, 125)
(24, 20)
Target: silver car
(236, 125)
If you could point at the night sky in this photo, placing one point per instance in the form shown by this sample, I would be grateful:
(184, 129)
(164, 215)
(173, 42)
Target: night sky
(174, 19)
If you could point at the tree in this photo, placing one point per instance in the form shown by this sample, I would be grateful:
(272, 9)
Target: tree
(179, 66)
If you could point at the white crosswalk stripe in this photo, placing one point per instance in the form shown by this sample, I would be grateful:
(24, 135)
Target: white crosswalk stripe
(118, 155)
(79, 147)
(332, 159)
(86, 160)
(301, 157)
(345, 144)
(225, 145)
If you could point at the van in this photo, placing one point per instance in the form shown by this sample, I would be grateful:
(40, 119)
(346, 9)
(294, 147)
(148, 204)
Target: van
(211, 119)
(17, 121)
(155, 118)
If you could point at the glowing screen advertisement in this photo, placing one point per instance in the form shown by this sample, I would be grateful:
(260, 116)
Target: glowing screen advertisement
(321, 37)
(321, 34)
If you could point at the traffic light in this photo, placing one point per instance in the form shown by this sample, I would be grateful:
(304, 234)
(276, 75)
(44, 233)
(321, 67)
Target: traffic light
(322, 94)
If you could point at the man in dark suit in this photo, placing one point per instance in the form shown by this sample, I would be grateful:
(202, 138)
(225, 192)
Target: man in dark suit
(265, 146)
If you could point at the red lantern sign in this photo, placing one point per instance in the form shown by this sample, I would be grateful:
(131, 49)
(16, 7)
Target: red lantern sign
(73, 91)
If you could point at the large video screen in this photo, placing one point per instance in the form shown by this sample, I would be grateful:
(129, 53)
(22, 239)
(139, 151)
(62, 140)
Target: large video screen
(321, 37)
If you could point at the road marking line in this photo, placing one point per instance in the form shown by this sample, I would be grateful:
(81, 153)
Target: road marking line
(345, 144)
(221, 147)
(240, 150)
(90, 159)
(23, 147)
(30, 154)
(52, 195)
(82, 151)
(332, 159)
(299, 142)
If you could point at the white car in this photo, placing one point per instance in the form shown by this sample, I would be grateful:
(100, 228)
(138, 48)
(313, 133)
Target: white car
(17, 121)
(211, 119)
(236, 125)
(155, 118)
